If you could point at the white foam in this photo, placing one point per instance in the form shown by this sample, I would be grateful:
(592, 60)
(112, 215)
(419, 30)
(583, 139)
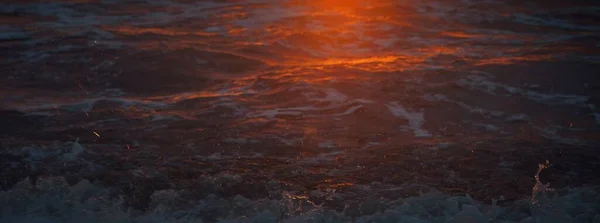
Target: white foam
(272, 113)
(488, 127)
(34, 156)
(326, 157)
(53, 200)
(13, 35)
(290, 141)
(339, 101)
(332, 95)
(595, 113)
(76, 150)
(350, 110)
(552, 132)
(415, 119)
(532, 20)
(156, 118)
(482, 83)
(518, 118)
(327, 144)
(86, 105)
(241, 141)
(472, 109)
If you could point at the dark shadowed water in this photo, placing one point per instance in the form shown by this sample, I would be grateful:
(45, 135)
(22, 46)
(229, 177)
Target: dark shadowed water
(299, 111)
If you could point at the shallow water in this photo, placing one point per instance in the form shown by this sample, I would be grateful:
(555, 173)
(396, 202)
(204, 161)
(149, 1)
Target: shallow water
(297, 110)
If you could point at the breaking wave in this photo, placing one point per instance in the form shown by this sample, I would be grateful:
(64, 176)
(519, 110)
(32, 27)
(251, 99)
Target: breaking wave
(54, 199)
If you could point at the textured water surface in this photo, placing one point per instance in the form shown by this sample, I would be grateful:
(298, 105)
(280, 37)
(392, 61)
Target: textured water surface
(270, 111)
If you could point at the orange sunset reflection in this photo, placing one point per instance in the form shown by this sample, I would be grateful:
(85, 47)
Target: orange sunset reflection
(329, 110)
(371, 36)
(288, 65)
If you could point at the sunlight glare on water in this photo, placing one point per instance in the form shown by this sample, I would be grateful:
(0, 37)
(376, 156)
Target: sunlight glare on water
(299, 111)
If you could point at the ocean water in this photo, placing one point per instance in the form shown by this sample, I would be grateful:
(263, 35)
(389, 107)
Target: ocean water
(299, 111)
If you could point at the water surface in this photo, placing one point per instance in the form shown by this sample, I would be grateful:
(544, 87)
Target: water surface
(285, 109)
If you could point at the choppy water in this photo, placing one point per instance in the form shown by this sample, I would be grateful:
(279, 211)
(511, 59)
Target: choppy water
(296, 111)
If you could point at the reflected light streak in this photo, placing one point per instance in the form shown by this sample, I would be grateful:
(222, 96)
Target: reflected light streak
(331, 36)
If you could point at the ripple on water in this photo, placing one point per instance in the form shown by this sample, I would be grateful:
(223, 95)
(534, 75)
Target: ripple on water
(298, 111)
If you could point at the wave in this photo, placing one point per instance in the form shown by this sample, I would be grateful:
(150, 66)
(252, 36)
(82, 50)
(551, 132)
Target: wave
(58, 199)
(53, 200)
